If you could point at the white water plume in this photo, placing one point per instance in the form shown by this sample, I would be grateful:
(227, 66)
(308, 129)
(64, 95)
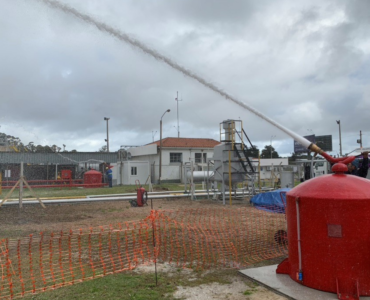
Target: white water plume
(137, 44)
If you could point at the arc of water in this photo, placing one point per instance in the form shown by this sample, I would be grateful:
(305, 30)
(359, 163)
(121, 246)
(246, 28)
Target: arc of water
(137, 44)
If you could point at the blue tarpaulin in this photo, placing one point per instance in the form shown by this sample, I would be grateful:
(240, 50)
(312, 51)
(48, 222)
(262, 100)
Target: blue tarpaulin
(271, 201)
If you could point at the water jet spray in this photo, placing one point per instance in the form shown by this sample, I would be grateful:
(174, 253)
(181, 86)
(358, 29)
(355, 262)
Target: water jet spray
(124, 37)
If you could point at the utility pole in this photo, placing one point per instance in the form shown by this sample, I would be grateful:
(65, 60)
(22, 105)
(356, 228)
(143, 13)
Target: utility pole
(178, 126)
(107, 139)
(340, 139)
(360, 140)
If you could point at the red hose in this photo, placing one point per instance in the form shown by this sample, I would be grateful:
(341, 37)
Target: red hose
(343, 160)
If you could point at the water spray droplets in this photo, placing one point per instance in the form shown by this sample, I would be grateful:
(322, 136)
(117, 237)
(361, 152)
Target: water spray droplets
(124, 37)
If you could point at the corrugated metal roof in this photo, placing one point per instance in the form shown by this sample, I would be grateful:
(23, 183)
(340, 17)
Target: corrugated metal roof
(57, 158)
(187, 143)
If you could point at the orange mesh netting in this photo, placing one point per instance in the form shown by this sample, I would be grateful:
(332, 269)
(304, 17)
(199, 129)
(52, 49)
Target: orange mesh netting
(197, 238)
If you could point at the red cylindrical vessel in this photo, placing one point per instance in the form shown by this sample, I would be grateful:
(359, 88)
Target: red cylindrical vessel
(93, 179)
(140, 196)
(66, 174)
(331, 214)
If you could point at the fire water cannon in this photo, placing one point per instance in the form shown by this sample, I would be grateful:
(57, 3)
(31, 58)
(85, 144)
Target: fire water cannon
(317, 150)
(328, 232)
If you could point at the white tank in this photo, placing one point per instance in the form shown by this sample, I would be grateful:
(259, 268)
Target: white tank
(287, 179)
(221, 161)
(200, 175)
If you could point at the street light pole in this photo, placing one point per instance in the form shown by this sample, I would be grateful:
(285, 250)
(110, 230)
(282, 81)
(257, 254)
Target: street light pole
(160, 146)
(107, 139)
(340, 139)
(271, 144)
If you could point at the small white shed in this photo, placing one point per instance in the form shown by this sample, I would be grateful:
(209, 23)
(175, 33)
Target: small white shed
(128, 172)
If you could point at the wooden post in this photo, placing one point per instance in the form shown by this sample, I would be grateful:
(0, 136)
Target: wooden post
(259, 172)
(20, 183)
(191, 182)
(33, 193)
(21, 178)
(272, 175)
(230, 177)
(9, 193)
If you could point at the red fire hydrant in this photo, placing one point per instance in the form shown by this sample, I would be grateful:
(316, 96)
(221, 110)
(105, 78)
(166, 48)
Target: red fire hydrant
(141, 193)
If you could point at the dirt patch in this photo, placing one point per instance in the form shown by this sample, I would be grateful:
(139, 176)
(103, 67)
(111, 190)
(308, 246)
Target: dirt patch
(237, 290)
(160, 189)
(211, 284)
(56, 217)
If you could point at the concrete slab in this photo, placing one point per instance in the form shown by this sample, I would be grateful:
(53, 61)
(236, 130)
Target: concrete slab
(284, 285)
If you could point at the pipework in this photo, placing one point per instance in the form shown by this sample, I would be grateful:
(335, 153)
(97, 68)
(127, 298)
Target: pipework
(317, 150)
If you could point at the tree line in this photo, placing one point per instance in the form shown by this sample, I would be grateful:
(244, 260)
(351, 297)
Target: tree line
(14, 144)
(267, 152)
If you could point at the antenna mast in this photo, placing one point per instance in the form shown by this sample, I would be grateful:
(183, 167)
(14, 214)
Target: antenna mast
(178, 126)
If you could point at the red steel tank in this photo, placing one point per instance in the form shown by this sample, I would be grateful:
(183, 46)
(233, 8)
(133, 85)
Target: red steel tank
(328, 222)
(93, 179)
(66, 174)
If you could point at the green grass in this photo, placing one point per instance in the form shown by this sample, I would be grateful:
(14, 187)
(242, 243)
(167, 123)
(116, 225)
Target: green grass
(248, 292)
(135, 286)
(118, 286)
(65, 191)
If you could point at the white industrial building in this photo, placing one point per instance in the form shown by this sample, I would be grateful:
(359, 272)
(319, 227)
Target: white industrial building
(141, 162)
(272, 167)
(176, 152)
(129, 172)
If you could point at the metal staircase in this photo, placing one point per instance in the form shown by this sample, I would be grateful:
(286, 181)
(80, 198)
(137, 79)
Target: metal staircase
(236, 136)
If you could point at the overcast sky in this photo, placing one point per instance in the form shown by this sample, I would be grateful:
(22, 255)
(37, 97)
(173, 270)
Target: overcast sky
(304, 64)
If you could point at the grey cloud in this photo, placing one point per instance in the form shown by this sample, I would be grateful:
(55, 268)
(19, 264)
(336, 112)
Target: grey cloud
(358, 11)
(209, 12)
(61, 76)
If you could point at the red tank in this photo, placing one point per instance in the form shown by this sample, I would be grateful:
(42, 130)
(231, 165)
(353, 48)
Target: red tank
(328, 222)
(66, 174)
(93, 179)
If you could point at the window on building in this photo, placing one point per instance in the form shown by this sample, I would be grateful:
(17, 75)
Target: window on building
(198, 157)
(133, 170)
(175, 157)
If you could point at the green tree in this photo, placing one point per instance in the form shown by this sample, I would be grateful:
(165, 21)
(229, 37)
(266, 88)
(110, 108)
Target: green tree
(269, 152)
(292, 158)
(103, 149)
(43, 149)
(252, 152)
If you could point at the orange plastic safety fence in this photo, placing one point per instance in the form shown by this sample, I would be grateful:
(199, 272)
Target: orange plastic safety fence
(197, 238)
(227, 237)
